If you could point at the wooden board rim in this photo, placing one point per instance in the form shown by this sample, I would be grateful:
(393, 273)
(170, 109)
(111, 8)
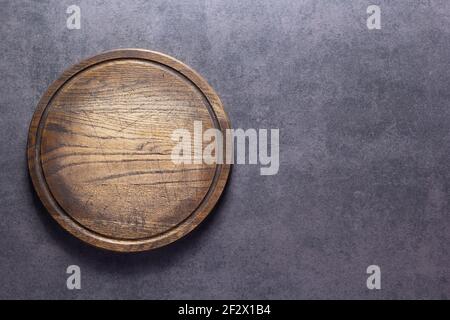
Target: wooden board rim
(75, 228)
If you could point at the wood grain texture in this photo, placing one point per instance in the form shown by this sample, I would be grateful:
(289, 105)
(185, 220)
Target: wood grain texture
(99, 150)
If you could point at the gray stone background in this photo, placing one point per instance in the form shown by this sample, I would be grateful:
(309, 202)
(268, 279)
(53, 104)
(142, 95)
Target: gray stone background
(364, 123)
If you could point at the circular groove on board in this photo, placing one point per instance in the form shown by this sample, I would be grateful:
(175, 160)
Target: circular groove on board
(100, 143)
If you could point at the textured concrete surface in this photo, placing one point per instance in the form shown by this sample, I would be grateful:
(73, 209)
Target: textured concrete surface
(364, 119)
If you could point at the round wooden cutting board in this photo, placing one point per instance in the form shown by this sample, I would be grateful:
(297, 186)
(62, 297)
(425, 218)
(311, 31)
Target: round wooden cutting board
(100, 145)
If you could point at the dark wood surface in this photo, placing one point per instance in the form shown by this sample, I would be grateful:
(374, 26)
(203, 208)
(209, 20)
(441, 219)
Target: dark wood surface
(99, 150)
